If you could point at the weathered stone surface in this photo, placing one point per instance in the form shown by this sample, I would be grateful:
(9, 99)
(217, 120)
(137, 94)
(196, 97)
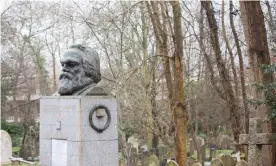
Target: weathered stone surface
(85, 146)
(80, 71)
(242, 163)
(227, 160)
(153, 160)
(255, 155)
(172, 163)
(216, 162)
(256, 139)
(255, 125)
(6, 147)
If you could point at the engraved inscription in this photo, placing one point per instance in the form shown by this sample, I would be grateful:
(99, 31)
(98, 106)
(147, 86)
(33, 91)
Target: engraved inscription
(59, 152)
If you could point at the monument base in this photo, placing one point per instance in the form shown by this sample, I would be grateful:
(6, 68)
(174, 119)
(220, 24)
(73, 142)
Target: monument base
(66, 135)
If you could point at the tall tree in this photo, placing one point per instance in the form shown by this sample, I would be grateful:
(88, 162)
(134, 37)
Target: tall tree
(223, 73)
(229, 49)
(257, 47)
(175, 79)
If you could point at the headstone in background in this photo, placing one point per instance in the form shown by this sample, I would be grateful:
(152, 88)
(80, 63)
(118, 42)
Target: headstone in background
(133, 156)
(25, 151)
(196, 164)
(242, 163)
(227, 160)
(191, 146)
(203, 154)
(163, 152)
(212, 151)
(172, 163)
(217, 162)
(6, 147)
(133, 141)
(67, 136)
(153, 160)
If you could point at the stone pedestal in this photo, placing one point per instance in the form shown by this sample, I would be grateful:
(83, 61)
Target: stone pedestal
(66, 136)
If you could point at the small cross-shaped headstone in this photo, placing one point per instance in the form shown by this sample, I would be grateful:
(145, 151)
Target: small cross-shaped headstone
(255, 139)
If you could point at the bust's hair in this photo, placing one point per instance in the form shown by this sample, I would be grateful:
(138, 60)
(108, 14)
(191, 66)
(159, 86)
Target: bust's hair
(91, 62)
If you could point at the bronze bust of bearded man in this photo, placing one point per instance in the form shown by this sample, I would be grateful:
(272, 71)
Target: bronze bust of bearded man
(80, 72)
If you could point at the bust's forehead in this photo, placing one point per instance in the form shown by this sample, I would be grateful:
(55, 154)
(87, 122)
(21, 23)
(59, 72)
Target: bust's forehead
(72, 54)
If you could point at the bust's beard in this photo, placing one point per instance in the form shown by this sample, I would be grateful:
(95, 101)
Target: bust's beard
(68, 86)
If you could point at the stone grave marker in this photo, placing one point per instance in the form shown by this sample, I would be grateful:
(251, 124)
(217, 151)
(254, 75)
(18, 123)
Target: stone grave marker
(196, 164)
(216, 162)
(6, 147)
(255, 139)
(133, 156)
(203, 154)
(78, 124)
(212, 154)
(153, 160)
(227, 160)
(242, 163)
(67, 136)
(172, 163)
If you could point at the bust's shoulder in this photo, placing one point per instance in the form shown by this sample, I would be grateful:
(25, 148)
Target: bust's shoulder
(90, 90)
(95, 90)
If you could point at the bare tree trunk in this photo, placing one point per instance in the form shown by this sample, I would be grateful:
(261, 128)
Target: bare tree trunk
(180, 112)
(54, 72)
(256, 40)
(271, 23)
(155, 138)
(176, 91)
(223, 73)
(241, 64)
(206, 56)
(229, 49)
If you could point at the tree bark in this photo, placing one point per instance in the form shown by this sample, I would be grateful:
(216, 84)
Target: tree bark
(229, 49)
(176, 90)
(241, 64)
(271, 23)
(180, 112)
(257, 47)
(223, 73)
(54, 72)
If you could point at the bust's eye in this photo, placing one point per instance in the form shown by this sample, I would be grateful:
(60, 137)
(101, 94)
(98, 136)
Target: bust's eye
(72, 64)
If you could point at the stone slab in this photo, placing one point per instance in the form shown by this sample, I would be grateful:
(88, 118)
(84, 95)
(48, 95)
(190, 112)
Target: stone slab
(255, 139)
(6, 147)
(67, 118)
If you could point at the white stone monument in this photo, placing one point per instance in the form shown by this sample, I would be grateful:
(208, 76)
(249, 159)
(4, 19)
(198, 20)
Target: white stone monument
(6, 147)
(78, 131)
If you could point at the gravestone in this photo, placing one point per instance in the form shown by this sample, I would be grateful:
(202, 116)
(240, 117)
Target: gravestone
(242, 163)
(196, 164)
(67, 136)
(216, 162)
(203, 154)
(6, 147)
(153, 160)
(212, 151)
(255, 139)
(172, 163)
(227, 160)
(133, 156)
